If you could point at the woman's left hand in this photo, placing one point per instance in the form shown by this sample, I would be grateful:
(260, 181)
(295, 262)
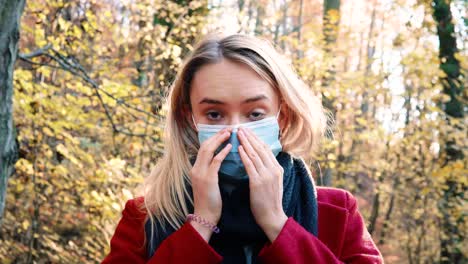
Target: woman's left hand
(265, 183)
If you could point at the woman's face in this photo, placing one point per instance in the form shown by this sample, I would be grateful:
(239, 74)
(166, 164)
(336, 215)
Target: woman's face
(229, 93)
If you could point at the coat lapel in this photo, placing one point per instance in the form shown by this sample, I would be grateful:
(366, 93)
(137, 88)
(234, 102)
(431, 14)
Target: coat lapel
(331, 226)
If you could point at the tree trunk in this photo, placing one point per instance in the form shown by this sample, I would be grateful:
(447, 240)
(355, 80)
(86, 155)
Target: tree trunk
(277, 28)
(388, 214)
(258, 21)
(300, 52)
(450, 250)
(284, 24)
(369, 59)
(10, 16)
(374, 213)
(331, 20)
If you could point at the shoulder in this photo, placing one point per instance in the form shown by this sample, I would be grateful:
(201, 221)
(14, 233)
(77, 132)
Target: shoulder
(135, 208)
(336, 197)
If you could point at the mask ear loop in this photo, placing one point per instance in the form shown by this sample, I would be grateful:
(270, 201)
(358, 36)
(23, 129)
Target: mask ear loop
(195, 123)
(279, 111)
(277, 115)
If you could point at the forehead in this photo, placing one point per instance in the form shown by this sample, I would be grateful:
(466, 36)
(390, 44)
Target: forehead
(230, 82)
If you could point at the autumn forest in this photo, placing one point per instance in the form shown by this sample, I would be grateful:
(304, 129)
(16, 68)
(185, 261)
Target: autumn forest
(82, 88)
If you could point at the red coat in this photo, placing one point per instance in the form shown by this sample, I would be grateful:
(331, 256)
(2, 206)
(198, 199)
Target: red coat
(342, 238)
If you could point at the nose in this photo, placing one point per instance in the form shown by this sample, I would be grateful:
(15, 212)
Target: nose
(235, 120)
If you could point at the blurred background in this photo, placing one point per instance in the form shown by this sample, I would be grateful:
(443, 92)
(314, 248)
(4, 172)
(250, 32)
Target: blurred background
(85, 100)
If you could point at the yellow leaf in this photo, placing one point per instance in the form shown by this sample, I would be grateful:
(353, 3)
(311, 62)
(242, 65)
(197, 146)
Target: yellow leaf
(127, 194)
(63, 24)
(25, 166)
(62, 149)
(48, 132)
(361, 121)
(116, 206)
(25, 224)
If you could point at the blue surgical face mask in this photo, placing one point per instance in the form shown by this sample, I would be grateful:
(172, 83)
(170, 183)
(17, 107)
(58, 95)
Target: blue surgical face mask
(266, 129)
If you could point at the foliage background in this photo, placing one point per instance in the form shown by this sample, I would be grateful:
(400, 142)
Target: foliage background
(88, 95)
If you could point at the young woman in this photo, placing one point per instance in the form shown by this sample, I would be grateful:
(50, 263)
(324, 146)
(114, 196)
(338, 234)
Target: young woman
(232, 186)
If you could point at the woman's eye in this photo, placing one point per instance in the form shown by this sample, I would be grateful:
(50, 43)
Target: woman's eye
(256, 115)
(213, 115)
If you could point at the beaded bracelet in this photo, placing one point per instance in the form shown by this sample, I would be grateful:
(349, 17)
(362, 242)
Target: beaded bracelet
(203, 222)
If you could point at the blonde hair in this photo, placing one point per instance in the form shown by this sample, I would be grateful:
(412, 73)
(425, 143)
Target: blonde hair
(165, 189)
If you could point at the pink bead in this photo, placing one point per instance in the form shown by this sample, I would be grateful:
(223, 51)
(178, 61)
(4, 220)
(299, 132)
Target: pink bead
(202, 221)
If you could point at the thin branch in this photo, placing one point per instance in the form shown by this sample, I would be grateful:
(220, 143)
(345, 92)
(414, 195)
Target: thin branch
(72, 66)
(36, 53)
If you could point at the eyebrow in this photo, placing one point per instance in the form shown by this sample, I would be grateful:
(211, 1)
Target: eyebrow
(248, 100)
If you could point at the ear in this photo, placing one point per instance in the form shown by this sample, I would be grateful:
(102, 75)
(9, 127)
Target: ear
(283, 118)
(188, 115)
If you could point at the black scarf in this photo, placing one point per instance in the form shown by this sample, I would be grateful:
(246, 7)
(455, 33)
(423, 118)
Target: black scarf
(241, 238)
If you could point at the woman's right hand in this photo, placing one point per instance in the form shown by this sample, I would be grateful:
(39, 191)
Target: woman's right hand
(204, 176)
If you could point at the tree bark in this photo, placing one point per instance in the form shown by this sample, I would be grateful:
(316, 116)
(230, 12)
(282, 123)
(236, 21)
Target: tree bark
(300, 51)
(374, 213)
(284, 24)
(258, 21)
(453, 85)
(331, 21)
(10, 16)
(369, 59)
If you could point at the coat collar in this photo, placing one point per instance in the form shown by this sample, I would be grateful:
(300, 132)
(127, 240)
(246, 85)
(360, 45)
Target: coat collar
(332, 221)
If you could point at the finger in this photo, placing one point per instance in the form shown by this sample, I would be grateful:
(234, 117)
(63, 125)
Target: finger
(208, 147)
(249, 166)
(251, 150)
(270, 161)
(262, 148)
(214, 144)
(218, 159)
